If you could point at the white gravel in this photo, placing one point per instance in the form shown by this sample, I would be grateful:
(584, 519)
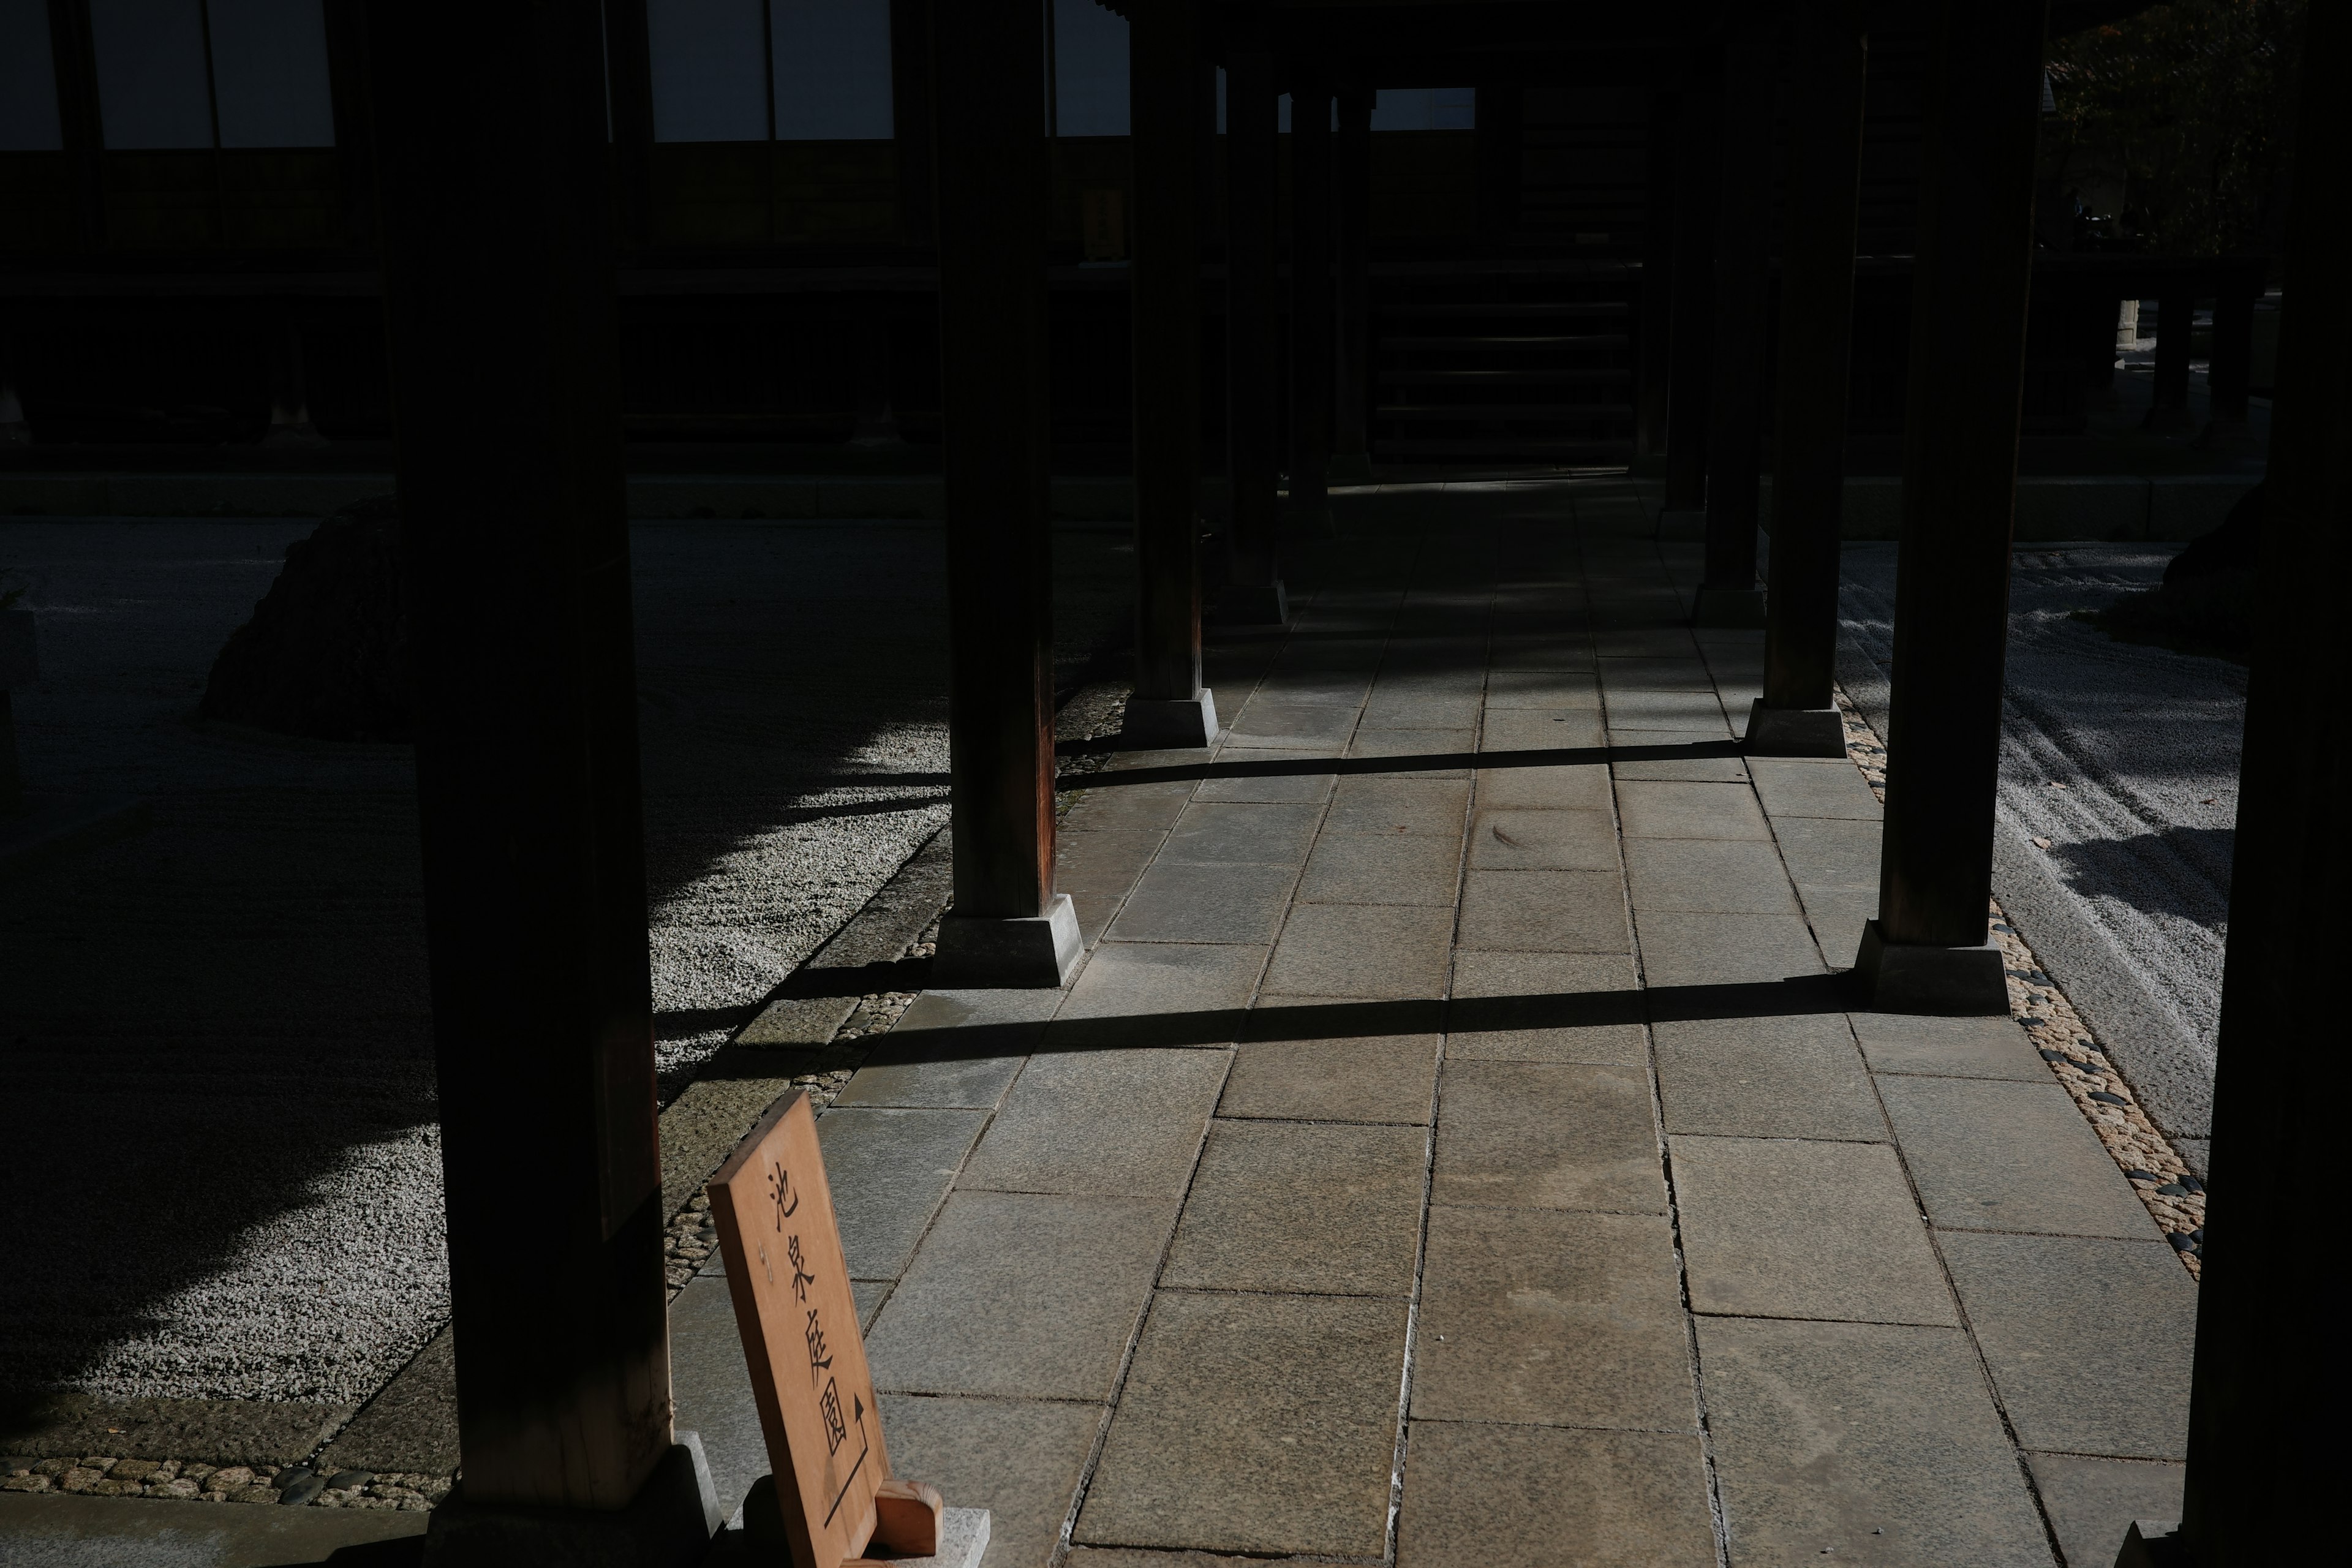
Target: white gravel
(221, 1163)
(2127, 905)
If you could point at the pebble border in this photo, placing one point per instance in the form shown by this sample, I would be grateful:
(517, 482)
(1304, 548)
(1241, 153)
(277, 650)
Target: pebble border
(2174, 1196)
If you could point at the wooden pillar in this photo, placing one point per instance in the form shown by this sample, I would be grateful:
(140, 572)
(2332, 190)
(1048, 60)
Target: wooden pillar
(496, 202)
(1253, 593)
(1655, 332)
(2231, 380)
(628, 55)
(1351, 170)
(1829, 60)
(1928, 948)
(1008, 926)
(1727, 595)
(2263, 1480)
(1697, 158)
(1169, 706)
(1311, 304)
(2176, 318)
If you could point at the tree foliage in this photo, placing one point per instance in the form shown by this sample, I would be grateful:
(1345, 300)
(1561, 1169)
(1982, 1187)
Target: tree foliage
(2181, 119)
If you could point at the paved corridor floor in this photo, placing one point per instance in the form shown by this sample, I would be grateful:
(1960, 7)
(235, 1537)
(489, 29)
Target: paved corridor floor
(1457, 1149)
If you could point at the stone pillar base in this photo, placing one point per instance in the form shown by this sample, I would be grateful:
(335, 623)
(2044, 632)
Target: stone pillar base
(1351, 469)
(2152, 1543)
(1160, 722)
(1794, 731)
(1903, 977)
(1252, 605)
(1035, 952)
(1740, 609)
(668, 1525)
(1686, 524)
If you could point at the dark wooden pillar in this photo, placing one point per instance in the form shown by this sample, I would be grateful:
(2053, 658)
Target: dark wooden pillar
(1727, 595)
(628, 55)
(2176, 318)
(1696, 192)
(1169, 706)
(2231, 379)
(497, 206)
(1982, 115)
(1500, 119)
(1829, 58)
(1008, 927)
(1352, 172)
(1253, 593)
(1654, 333)
(2262, 1485)
(1311, 305)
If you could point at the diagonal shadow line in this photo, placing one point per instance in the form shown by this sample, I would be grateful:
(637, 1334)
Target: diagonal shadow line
(1428, 762)
(1799, 995)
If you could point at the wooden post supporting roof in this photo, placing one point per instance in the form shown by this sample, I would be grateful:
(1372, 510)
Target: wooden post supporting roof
(1654, 329)
(1727, 595)
(1697, 158)
(1351, 180)
(1310, 298)
(1169, 706)
(1928, 948)
(497, 196)
(2263, 1466)
(1829, 58)
(1253, 591)
(1008, 926)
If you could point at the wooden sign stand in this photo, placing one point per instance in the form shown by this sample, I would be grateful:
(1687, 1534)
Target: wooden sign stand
(833, 1484)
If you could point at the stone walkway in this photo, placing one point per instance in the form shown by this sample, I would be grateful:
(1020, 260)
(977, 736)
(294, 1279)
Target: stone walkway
(1457, 1150)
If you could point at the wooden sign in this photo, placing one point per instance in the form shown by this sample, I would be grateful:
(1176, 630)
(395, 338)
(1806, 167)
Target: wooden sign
(799, 1323)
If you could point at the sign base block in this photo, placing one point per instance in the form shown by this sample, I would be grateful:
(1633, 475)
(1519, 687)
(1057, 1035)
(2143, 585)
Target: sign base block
(757, 1535)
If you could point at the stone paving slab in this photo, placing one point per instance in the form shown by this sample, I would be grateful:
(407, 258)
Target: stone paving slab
(1861, 1443)
(1124, 1122)
(2093, 1502)
(1416, 805)
(1292, 785)
(1544, 911)
(1829, 852)
(1680, 948)
(1397, 868)
(889, 1172)
(1817, 787)
(1660, 809)
(1707, 876)
(1021, 1459)
(1147, 993)
(1578, 786)
(1949, 1047)
(1788, 1229)
(1798, 1076)
(1254, 1422)
(1542, 1135)
(2089, 1340)
(1545, 1007)
(1560, 1319)
(1994, 1155)
(1381, 1078)
(1217, 834)
(1175, 901)
(1540, 730)
(1480, 1496)
(1543, 841)
(1022, 1294)
(1288, 1207)
(1362, 951)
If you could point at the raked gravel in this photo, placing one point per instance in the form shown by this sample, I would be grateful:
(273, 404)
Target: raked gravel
(221, 1160)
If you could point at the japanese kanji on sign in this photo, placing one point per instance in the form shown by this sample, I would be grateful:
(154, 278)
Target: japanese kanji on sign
(807, 1359)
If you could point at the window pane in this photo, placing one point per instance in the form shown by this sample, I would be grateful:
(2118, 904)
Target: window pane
(1453, 108)
(150, 73)
(1089, 70)
(832, 71)
(270, 73)
(708, 80)
(29, 79)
